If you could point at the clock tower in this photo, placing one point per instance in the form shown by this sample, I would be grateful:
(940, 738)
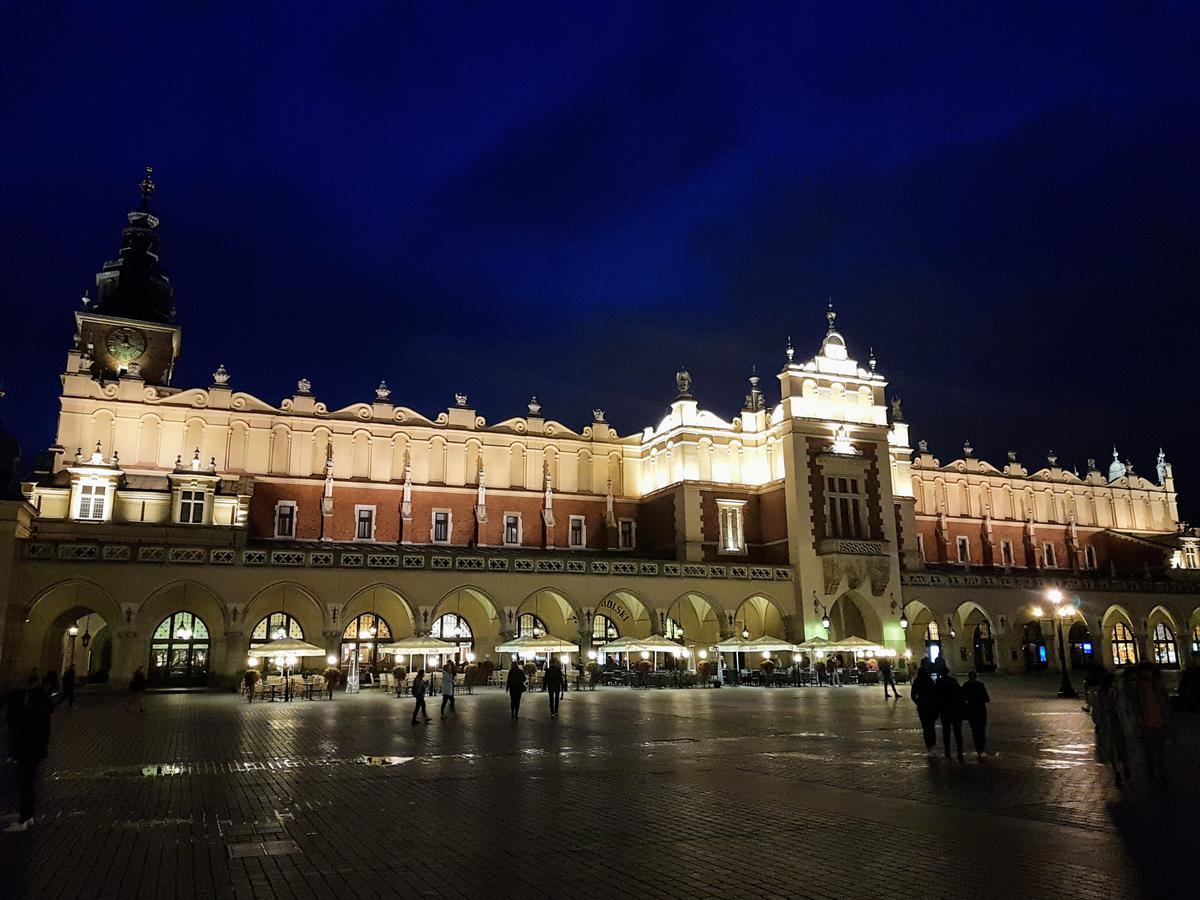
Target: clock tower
(129, 329)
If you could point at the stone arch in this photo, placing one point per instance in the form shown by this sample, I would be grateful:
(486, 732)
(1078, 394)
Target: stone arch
(478, 608)
(919, 616)
(852, 615)
(49, 614)
(283, 596)
(1169, 652)
(562, 618)
(701, 617)
(760, 614)
(977, 644)
(629, 611)
(186, 595)
(149, 439)
(1116, 614)
(386, 601)
(1161, 614)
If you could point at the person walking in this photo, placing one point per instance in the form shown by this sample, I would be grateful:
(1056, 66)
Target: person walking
(448, 686)
(137, 690)
(515, 687)
(924, 695)
(30, 746)
(1111, 749)
(885, 675)
(950, 709)
(1153, 715)
(975, 700)
(554, 686)
(68, 686)
(418, 692)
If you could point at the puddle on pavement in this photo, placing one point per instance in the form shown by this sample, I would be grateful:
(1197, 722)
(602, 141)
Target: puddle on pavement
(386, 760)
(164, 769)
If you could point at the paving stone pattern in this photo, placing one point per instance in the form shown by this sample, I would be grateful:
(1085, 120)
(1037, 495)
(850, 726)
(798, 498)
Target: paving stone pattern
(738, 792)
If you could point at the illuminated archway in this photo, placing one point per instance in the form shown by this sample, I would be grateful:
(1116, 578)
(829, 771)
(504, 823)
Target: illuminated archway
(179, 650)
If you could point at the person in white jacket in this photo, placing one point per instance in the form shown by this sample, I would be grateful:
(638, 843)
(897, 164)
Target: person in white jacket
(448, 685)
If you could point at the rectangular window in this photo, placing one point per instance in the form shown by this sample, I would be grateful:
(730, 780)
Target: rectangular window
(964, 549)
(1089, 557)
(285, 519)
(191, 507)
(1051, 561)
(441, 526)
(921, 546)
(364, 517)
(1006, 553)
(845, 508)
(91, 501)
(512, 529)
(577, 537)
(732, 526)
(627, 529)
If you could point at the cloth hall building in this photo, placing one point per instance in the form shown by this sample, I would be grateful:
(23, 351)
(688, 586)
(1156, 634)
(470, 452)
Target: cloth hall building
(174, 528)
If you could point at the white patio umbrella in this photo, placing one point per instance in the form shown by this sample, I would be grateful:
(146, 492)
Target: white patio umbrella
(420, 646)
(283, 648)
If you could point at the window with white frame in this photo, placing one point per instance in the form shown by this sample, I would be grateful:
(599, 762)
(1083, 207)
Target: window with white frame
(627, 533)
(441, 526)
(963, 544)
(512, 529)
(191, 507)
(845, 508)
(1006, 553)
(577, 533)
(364, 523)
(730, 517)
(1048, 555)
(285, 519)
(1089, 557)
(92, 500)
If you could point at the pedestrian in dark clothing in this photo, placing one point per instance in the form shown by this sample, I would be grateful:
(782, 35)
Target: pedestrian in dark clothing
(448, 686)
(68, 686)
(940, 668)
(137, 690)
(30, 745)
(885, 675)
(418, 692)
(950, 709)
(975, 700)
(554, 686)
(515, 687)
(12, 711)
(1189, 686)
(924, 694)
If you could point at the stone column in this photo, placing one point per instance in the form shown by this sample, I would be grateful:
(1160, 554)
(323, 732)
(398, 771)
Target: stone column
(127, 657)
(233, 654)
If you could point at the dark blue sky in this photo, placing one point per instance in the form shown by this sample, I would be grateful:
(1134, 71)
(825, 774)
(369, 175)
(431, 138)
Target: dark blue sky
(574, 200)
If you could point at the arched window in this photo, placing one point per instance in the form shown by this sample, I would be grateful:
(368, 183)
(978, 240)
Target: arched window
(179, 650)
(604, 629)
(672, 629)
(530, 626)
(1163, 644)
(1079, 639)
(274, 627)
(1124, 650)
(454, 628)
(363, 636)
(933, 641)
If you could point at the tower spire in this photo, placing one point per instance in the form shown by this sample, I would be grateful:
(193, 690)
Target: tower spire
(146, 188)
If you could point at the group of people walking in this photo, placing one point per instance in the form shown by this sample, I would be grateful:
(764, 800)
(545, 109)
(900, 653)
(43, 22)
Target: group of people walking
(940, 697)
(1132, 716)
(555, 682)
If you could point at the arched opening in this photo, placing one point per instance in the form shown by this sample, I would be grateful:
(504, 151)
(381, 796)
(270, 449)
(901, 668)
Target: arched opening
(933, 641)
(274, 627)
(47, 644)
(285, 605)
(918, 616)
(605, 629)
(179, 651)
(758, 616)
(983, 644)
(1123, 646)
(672, 629)
(530, 626)
(81, 639)
(1034, 646)
(846, 619)
(456, 630)
(1162, 644)
(1079, 642)
(362, 636)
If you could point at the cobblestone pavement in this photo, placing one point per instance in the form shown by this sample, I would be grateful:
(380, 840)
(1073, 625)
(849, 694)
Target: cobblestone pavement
(736, 792)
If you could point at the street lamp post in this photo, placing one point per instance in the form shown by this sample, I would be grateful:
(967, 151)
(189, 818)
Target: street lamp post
(73, 631)
(1061, 611)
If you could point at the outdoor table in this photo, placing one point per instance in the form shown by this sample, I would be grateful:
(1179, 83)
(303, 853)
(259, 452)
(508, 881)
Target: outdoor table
(271, 689)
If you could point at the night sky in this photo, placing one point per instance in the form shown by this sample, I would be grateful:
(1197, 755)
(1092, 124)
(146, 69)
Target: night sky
(575, 200)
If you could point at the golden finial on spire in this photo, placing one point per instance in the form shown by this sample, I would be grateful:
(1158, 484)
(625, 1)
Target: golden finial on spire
(147, 186)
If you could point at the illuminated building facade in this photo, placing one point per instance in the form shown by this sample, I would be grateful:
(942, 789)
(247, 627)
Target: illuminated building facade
(178, 527)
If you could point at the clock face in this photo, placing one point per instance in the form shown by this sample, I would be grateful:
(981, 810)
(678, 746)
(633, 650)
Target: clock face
(126, 344)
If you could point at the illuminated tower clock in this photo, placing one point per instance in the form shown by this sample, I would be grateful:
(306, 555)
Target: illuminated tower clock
(130, 327)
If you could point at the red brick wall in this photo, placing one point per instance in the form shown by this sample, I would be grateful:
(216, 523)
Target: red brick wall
(656, 526)
(763, 519)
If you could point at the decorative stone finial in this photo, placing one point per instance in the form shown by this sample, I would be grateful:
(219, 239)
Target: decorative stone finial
(1161, 466)
(968, 450)
(754, 399)
(1116, 470)
(923, 446)
(597, 415)
(1052, 458)
(871, 360)
(135, 370)
(382, 392)
(196, 460)
(85, 299)
(1091, 466)
(897, 410)
(146, 187)
(303, 386)
(535, 408)
(791, 351)
(460, 400)
(830, 316)
(683, 381)
(221, 376)
(1012, 456)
